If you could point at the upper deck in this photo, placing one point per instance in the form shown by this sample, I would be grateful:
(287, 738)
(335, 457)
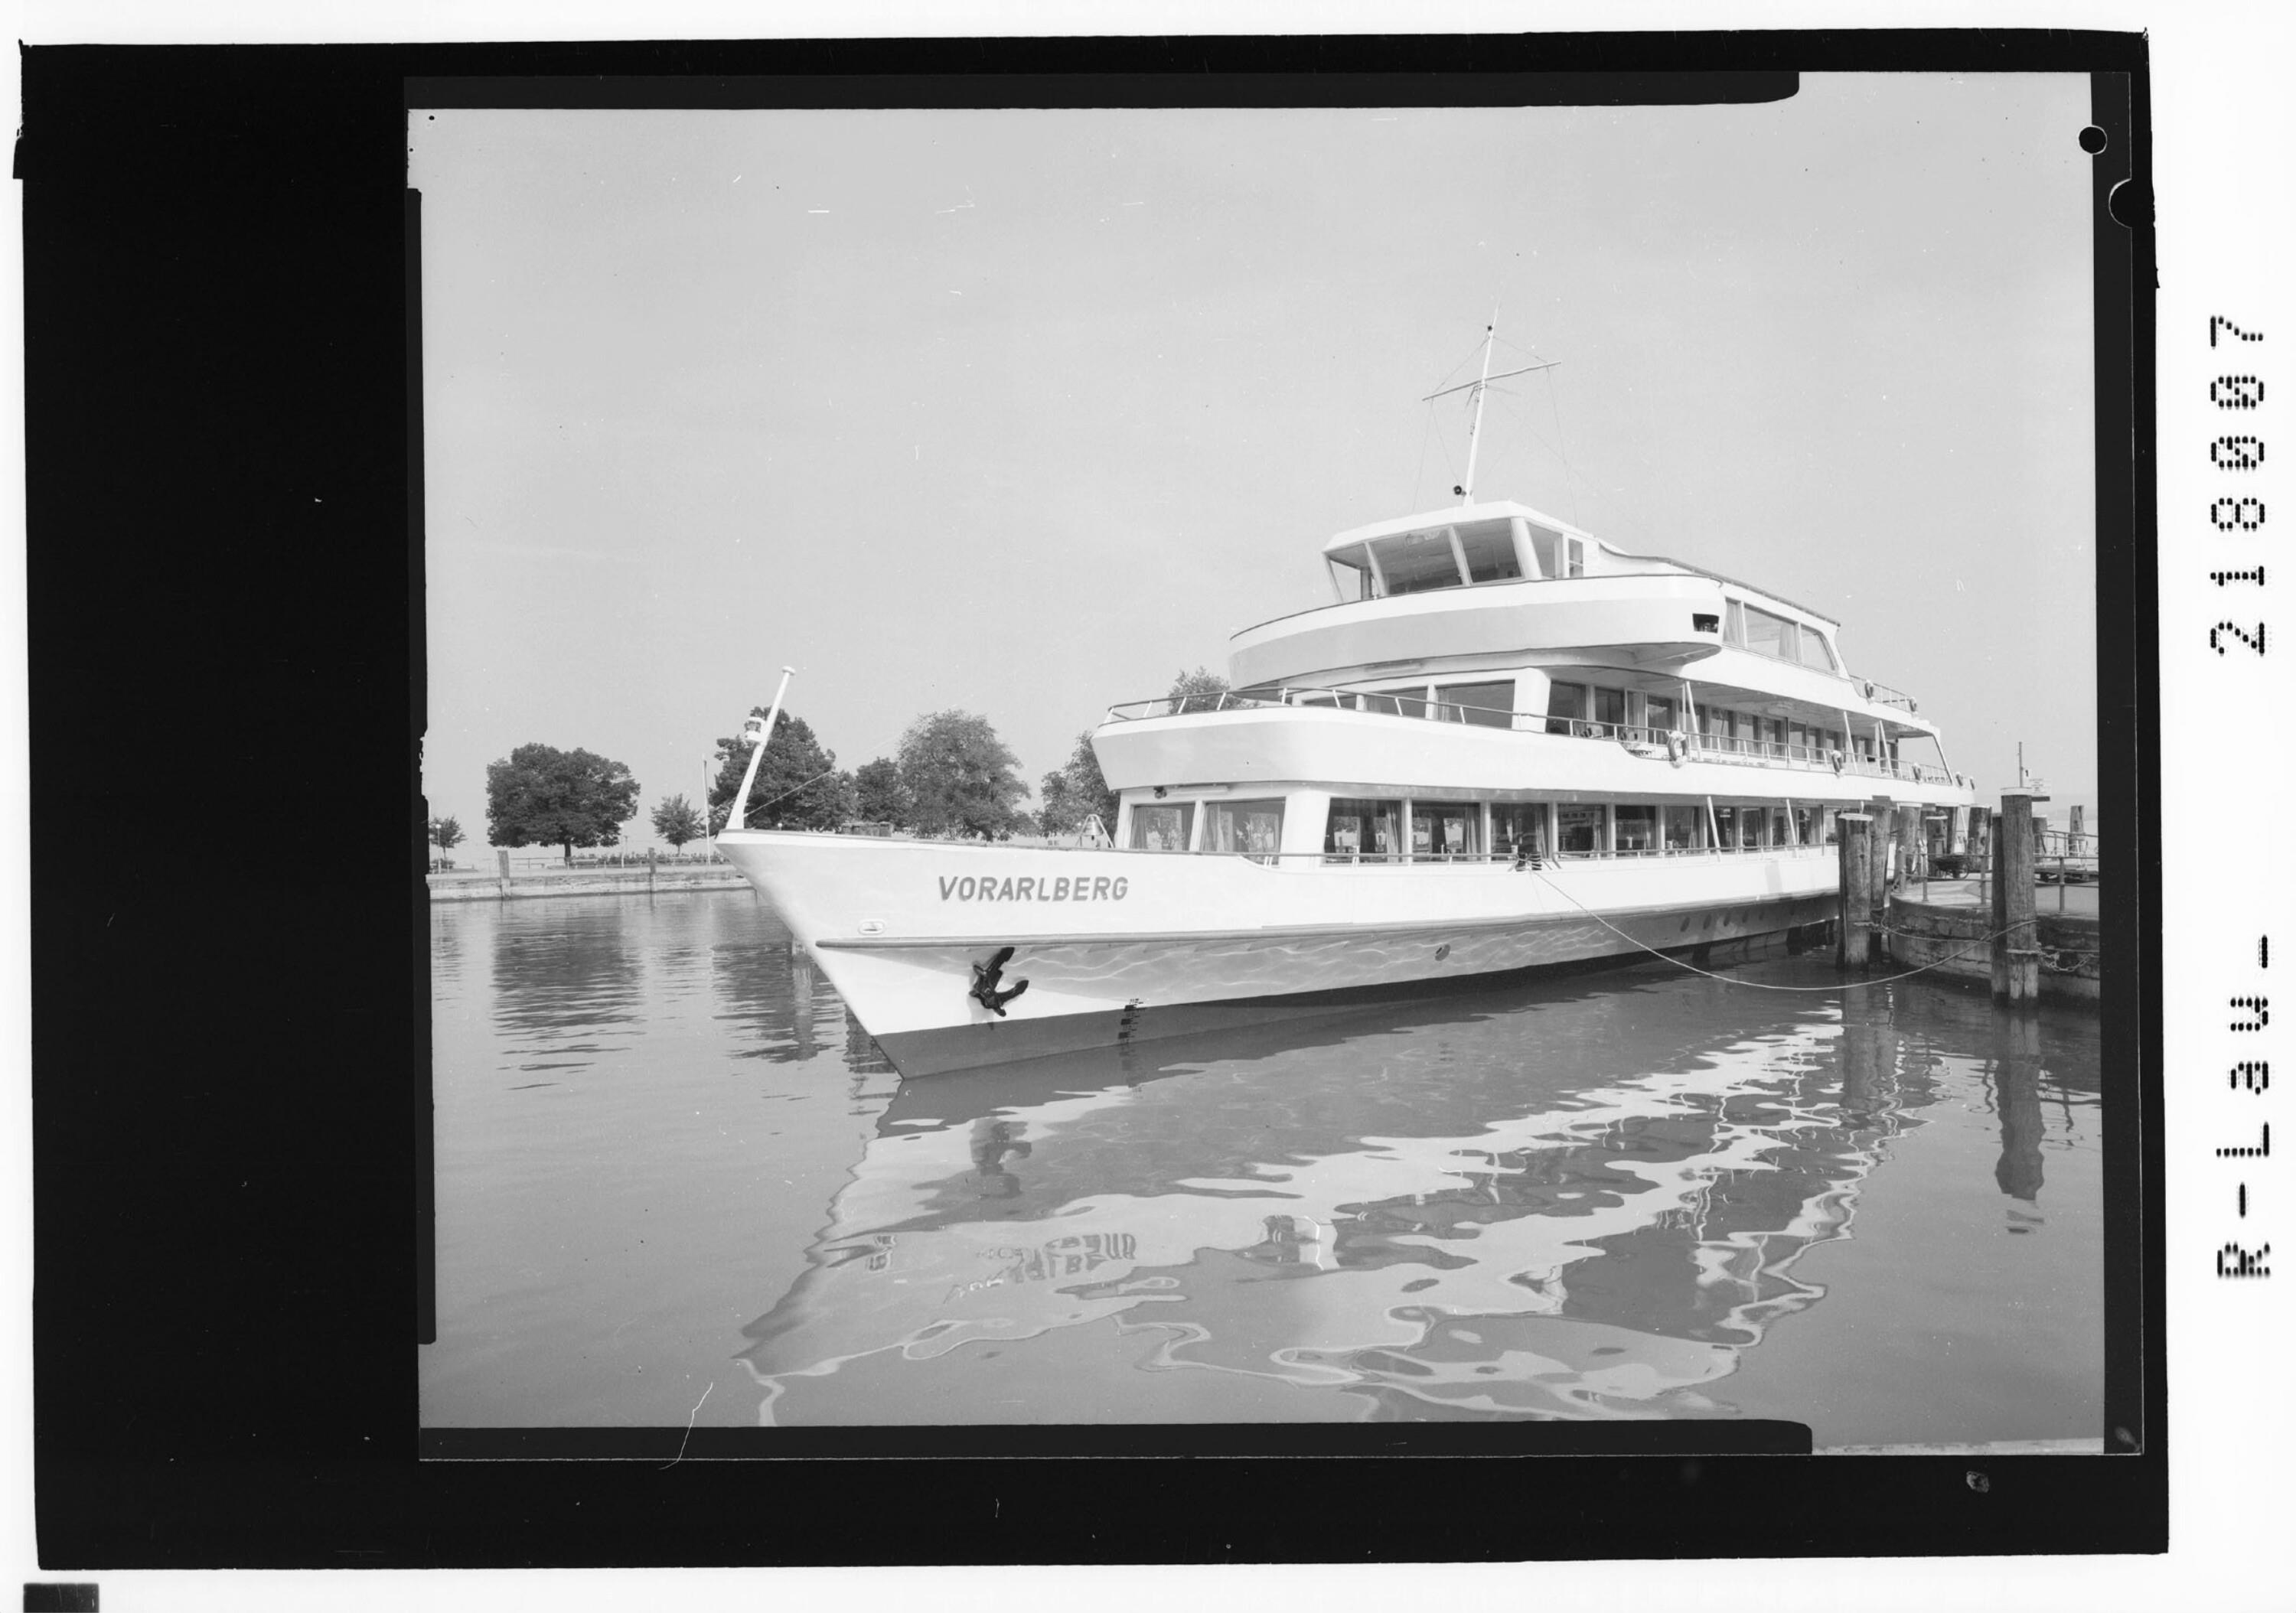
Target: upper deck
(1485, 582)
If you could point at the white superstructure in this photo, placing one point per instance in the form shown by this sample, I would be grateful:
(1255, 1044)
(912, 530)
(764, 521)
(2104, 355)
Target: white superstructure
(1504, 746)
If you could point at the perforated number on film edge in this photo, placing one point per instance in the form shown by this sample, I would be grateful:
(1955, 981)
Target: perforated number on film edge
(2235, 453)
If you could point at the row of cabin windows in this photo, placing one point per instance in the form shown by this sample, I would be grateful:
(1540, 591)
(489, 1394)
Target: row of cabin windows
(1246, 828)
(1415, 563)
(1583, 708)
(1361, 829)
(1573, 707)
(1398, 828)
(1483, 705)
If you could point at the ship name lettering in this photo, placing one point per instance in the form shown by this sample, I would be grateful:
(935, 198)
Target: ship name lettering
(1081, 888)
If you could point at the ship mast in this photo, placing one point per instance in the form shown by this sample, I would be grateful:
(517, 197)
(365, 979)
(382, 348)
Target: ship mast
(1479, 386)
(1466, 489)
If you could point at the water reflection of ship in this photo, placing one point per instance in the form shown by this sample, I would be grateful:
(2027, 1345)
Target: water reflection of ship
(1500, 1216)
(775, 988)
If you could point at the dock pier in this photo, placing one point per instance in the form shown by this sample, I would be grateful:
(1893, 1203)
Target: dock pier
(2016, 948)
(1984, 924)
(1855, 848)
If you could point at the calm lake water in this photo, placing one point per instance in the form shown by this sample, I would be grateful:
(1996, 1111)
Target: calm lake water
(674, 1185)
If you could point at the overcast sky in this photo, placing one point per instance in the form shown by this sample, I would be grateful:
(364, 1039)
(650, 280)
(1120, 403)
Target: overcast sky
(1023, 412)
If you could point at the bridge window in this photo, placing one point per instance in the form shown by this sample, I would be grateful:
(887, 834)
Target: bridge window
(1416, 561)
(1489, 549)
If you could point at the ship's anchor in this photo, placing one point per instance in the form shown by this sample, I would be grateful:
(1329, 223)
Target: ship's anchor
(986, 977)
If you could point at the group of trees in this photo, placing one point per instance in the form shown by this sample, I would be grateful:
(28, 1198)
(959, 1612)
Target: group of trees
(952, 776)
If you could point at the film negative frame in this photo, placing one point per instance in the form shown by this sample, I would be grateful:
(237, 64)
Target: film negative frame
(109, 1477)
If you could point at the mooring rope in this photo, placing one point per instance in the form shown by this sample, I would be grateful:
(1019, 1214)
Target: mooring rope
(1764, 985)
(783, 796)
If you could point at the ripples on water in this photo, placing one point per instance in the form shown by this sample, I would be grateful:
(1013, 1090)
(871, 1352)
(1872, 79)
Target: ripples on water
(675, 1184)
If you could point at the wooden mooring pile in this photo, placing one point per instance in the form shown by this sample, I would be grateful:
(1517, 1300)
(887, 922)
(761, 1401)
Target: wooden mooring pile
(1996, 932)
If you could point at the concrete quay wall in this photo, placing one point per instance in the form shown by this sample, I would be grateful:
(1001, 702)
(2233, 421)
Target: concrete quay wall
(582, 882)
(1920, 935)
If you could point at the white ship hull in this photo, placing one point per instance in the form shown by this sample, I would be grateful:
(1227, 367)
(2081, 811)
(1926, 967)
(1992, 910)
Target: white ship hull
(1120, 946)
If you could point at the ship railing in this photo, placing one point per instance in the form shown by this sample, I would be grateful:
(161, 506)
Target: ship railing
(1703, 747)
(1882, 694)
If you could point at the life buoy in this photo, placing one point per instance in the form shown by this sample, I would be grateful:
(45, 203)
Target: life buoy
(1835, 757)
(1675, 749)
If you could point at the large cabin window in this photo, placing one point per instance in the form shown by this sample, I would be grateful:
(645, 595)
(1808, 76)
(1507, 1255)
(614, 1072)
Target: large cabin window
(1581, 831)
(1357, 830)
(1484, 705)
(1751, 820)
(1635, 829)
(1684, 828)
(1726, 826)
(1658, 714)
(1565, 702)
(1609, 710)
(1443, 829)
(1518, 829)
(1397, 702)
(1771, 635)
(1253, 829)
(1765, 633)
(1161, 826)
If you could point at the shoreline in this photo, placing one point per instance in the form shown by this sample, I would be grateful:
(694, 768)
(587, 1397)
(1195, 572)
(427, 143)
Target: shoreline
(478, 886)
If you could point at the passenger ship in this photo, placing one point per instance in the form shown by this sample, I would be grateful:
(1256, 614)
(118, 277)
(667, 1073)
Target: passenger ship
(1503, 746)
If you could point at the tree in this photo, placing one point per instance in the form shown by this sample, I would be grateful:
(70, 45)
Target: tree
(446, 834)
(676, 822)
(960, 776)
(1076, 790)
(542, 796)
(1189, 689)
(798, 784)
(879, 794)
